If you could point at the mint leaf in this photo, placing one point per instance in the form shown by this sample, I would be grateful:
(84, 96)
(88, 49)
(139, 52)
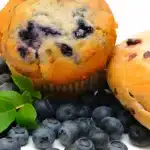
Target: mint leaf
(26, 117)
(27, 96)
(12, 97)
(24, 83)
(7, 114)
(36, 94)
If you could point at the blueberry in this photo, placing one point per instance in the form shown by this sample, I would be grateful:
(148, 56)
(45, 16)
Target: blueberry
(4, 78)
(23, 51)
(126, 119)
(83, 30)
(19, 134)
(117, 145)
(30, 36)
(66, 112)
(68, 133)
(8, 87)
(139, 135)
(84, 111)
(43, 137)
(85, 124)
(101, 112)
(52, 124)
(99, 138)
(3, 66)
(113, 127)
(44, 109)
(49, 31)
(83, 144)
(9, 144)
(52, 149)
(95, 129)
(65, 49)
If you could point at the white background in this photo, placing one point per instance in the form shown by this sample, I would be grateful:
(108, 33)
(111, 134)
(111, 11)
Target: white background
(132, 16)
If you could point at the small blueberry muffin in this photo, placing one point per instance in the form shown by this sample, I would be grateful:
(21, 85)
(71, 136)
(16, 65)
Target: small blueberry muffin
(62, 45)
(129, 76)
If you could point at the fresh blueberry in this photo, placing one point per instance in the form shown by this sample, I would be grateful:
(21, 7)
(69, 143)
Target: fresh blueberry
(8, 86)
(65, 49)
(43, 137)
(44, 109)
(83, 144)
(9, 144)
(99, 138)
(4, 78)
(85, 125)
(139, 135)
(113, 127)
(68, 133)
(84, 111)
(101, 112)
(66, 112)
(117, 145)
(52, 149)
(52, 124)
(126, 119)
(95, 129)
(19, 134)
(3, 66)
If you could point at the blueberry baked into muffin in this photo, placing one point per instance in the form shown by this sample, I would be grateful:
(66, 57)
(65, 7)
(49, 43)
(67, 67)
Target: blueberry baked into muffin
(129, 76)
(62, 45)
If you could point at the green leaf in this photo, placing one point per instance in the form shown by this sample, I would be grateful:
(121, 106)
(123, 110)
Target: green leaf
(12, 97)
(24, 83)
(7, 114)
(27, 96)
(36, 94)
(26, 117)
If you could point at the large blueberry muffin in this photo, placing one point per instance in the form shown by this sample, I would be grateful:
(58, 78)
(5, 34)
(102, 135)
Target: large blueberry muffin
(62, 45)
(129, 76)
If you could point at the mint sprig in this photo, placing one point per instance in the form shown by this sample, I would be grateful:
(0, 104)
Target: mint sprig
(25, 84)
(26, 116)
(18, 105)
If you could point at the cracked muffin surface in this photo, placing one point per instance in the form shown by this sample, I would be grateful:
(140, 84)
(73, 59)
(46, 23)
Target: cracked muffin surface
(57, 42)
(129, 76)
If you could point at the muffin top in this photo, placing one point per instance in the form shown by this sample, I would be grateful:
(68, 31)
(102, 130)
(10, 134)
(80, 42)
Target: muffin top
(57, 40)
(128, 76)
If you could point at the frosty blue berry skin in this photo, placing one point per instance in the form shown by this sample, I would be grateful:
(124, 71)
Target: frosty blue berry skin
(68, 133)
(100, 139)
(66, 112)
(43, 137)
(20, 134)
(113, 127)
(44, 109)
(82, 143)
(100, 113)
(139, 135)
(116, 145)
(52, 124)
(9, 144)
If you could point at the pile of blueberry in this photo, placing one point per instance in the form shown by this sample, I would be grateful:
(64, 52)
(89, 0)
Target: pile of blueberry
(92, 121)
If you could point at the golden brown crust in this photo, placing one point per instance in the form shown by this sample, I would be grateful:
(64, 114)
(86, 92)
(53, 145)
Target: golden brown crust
(57, 69)
(129, 76)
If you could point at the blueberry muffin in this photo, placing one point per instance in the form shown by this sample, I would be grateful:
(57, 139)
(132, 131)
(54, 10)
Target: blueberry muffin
(62, 45)
(129, 76)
